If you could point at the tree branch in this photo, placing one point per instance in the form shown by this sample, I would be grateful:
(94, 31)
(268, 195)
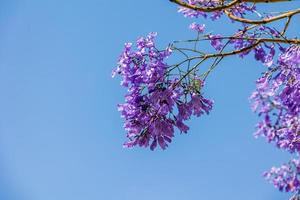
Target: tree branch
(222, 6)
(206, 9)
(265, 20)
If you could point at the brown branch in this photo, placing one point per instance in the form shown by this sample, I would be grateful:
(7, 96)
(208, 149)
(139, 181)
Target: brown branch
(265, 20)
(232, 3)
(245, 49)
(207, 56)
(286, 25)
(222, 6)
(275, 40)
(214, 55)
(207, 9)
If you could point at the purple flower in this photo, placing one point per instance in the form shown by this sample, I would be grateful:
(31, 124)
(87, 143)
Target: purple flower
(277, 100)
(197, 27)
(153, 97)
(216, 41)
(286, 177)
(216, 15)
(291, 57)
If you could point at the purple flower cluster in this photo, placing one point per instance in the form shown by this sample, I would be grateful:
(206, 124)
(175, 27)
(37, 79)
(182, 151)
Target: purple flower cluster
(277, 100)
(285, 178)
(261, 54)
(197, 27)
(156, 103)
(216, 41)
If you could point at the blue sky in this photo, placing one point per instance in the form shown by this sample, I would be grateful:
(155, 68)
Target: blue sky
(61, 134)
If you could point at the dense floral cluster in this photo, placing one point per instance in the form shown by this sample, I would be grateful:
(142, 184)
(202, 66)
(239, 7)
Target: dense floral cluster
(155, 103)
(285, 178)
(277, 100)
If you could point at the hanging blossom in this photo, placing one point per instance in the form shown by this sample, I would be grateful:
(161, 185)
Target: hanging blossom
(216, 41)
(197, 27)
(277, 100)
(156, 103)
(285, 178)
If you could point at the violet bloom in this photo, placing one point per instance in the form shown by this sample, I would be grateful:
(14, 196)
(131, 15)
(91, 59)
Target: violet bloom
(197, 27)
(277, 100)
(155, 104)
(216, 41)
(261, 54)
(285, 178)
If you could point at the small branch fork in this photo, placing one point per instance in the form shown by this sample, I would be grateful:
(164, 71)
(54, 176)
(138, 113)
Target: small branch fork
(217, 56)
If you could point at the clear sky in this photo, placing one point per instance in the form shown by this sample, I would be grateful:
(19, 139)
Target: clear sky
(61, 134)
